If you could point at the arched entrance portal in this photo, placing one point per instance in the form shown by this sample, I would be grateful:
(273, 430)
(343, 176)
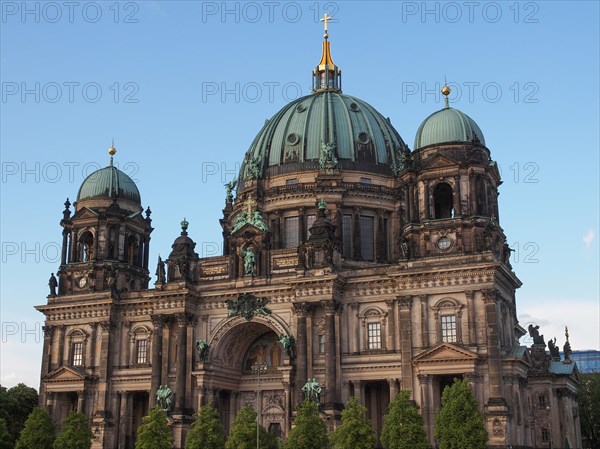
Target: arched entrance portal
(229, 382)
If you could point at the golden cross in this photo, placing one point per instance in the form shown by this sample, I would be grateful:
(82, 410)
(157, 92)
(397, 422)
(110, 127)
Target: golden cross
(249, 203)
(326, 19)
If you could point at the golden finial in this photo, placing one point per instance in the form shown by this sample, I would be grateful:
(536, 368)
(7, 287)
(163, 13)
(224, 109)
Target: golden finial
(325, 21)
(112, 150)
(445, 92)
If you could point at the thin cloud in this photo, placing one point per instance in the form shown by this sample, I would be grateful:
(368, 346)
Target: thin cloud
(589, 238)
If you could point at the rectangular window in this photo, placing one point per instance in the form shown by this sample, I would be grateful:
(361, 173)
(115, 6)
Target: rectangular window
(365, 180)
(310, 219)
(291, 181)
(77, 354)
(367, 237)
(374, 336)
(545, 435)
(542, 403)
(448, 328)
(291, 232)
(347, 234)
(321, 344)
(141, 351)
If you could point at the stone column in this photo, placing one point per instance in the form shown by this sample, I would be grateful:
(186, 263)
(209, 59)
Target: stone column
(355, 339)
(63, 252)
(470, 295)
(380, 237)
(301, 310)
(46, 360)
(457, 208)
(494, 362)
(301, 230)
(426, 212)
(157, 342)
(90, 353)
(124, 418)
(359, 391)
(330, 308)
(81, 401)
(73, 248)
(393, 384)
(424, 322)
(127, 341)
(356, 250)
(105, 368)
(405, 305)
(427, 407)
(182, 322)
(391, 325)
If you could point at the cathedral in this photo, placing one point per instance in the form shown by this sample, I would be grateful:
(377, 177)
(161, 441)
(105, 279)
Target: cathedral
(351, 263)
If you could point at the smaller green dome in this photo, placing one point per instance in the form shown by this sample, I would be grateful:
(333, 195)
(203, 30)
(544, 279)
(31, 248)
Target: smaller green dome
(447, 125)
(109, 182)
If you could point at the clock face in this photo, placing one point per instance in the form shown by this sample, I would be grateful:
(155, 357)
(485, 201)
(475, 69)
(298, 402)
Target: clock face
(444, 243)
(82, 281)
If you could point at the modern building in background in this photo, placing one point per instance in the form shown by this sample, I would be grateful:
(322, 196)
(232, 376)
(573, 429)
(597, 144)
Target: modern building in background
(588, 360)
(348, 258)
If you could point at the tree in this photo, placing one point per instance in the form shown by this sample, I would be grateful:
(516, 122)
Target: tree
(16, 404)
(5, 438)
(75, 433)
(243, 432)
(403, 425)
(459, 424)
(154, 433)
(38, 432)
(589, 409)
(310, 431)
(355, 432)
(207, 431)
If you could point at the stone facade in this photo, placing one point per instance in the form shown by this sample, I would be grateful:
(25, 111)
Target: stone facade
(387, 278)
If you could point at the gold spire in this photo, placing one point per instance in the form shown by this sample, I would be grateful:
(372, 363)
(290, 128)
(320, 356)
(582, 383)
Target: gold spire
(112, 151)
(445, 92)
(326, 75)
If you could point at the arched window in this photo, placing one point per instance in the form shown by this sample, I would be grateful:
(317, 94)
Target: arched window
(443, 201)
(141, 345)
(77, 341)
(86, 247)
(373, 322)
(448, 316)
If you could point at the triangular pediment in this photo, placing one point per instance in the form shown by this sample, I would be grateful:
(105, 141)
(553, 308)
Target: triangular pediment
(85, 213)
(439, 161)
(66, 374)
(250, 228)
(445, 352)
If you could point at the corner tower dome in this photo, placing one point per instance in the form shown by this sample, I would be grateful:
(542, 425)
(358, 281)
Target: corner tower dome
(447, 125)
(327, 122)
(109, 182)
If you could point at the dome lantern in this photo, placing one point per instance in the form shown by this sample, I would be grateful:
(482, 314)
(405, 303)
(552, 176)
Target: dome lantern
(326, 76)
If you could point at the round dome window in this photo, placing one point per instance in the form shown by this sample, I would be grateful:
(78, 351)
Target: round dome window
(363, 138)
(354, 107)
(293, 138)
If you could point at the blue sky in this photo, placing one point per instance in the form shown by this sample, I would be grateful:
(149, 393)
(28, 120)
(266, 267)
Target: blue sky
(183, 87)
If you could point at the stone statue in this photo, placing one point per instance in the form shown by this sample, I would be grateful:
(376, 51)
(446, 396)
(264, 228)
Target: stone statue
(240, 221)
(160, 271)
(247, 305)
(202, 348)
(253, 169)
(230, 186)
(257, 221)
(321, 204)
(312, 391)
(327, 159)
(535, 334)
(553, 349)
(164, 397)
(567, 347)
(287, 341)
(249, 262)
(52, 283)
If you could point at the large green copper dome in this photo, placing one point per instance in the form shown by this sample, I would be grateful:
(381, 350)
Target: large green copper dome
(294, 138)
(109, 182)
(447, 126)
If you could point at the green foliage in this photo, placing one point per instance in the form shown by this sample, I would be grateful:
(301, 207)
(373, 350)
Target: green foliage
(310, 431)
(459, 424)
(589, 409)
(355, 432)
(75, 433)
(403, 425)
(154, 433)
(243, 432)
(38, 432)
(5, 438)
(207, 431)
(16, 404)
